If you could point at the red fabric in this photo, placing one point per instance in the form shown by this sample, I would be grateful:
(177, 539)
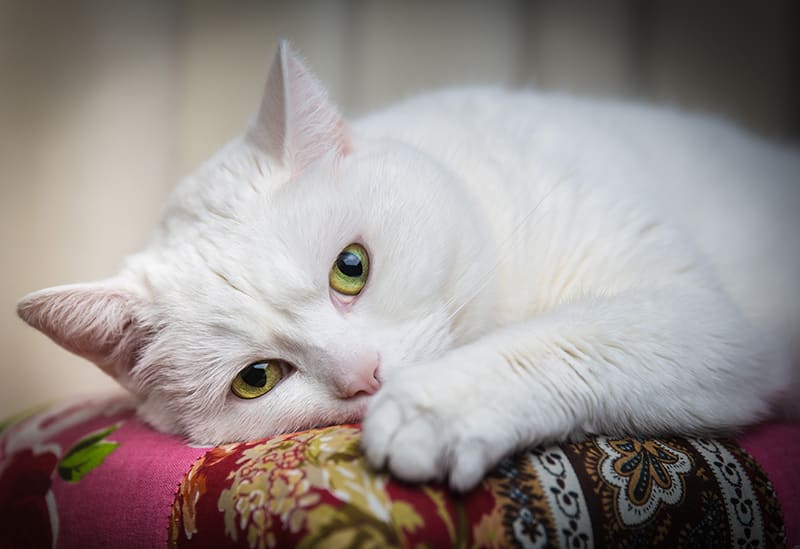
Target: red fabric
(776, 447)
(129, 498)
(313, 489)
(123, 501)
(24, 517)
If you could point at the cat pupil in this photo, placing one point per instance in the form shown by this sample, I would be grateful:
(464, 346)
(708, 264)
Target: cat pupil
(349, 264)
(255, 374)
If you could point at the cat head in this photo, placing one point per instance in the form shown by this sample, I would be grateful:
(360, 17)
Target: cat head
(290, 275)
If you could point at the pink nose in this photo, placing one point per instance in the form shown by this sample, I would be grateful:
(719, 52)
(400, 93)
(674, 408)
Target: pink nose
(359, 376)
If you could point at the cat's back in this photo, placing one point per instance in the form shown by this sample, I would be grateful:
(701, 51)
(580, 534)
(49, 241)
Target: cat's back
(736, 195)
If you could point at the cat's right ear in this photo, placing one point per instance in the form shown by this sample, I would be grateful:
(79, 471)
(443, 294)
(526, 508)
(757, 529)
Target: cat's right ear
(101, 321)
(296, 123)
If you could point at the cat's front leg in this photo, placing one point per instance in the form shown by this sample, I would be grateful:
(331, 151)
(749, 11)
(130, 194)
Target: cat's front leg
(669, 360)
(453, 418)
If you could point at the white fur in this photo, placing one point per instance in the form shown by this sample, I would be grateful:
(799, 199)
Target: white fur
(542, 267)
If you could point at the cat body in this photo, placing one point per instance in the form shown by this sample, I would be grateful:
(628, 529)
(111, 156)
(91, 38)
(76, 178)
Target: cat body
(536, 267)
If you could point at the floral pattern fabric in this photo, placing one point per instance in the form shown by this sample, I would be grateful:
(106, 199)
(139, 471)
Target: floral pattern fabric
(91, 474)
(314, 489)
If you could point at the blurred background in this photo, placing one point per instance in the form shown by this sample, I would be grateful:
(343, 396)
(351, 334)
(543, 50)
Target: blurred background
(104, 105)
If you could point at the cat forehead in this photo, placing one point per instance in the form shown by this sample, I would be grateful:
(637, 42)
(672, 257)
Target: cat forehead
(337, 195)
(275, 241)
(240, 185)
(259, 265)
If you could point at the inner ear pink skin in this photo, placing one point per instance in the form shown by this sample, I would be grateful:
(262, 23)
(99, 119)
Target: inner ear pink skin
(97, 321)
(296, 123)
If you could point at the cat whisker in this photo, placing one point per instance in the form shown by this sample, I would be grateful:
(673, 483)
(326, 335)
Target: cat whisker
(503, 253)
(486, 279)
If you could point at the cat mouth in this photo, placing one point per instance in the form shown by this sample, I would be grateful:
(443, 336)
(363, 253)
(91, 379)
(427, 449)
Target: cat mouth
(345, 411)
(355, 408)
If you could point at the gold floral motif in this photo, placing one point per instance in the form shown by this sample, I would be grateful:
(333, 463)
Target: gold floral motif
(281, 480)
(196, 480)
(192, 488)
(268, 483)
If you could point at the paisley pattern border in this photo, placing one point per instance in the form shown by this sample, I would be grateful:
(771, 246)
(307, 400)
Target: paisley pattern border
(741, 504)
(564, 496)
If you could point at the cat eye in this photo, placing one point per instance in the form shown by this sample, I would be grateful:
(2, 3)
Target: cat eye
(350, 270)
(257, 379)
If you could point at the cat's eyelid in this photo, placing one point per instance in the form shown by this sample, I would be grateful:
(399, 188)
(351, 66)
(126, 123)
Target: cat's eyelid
(285, 365)
(357, 240)
(342, 302)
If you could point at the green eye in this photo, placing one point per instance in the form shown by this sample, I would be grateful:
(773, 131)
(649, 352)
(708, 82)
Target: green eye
(257, 379)
(349, 272)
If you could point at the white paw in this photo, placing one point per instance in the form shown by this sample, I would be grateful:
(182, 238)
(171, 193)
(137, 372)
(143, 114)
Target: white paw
(423, 431)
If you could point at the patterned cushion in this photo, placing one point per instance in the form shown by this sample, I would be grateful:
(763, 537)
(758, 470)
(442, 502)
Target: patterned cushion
(91, 474)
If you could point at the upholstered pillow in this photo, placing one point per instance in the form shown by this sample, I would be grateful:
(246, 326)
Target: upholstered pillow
(90, 474)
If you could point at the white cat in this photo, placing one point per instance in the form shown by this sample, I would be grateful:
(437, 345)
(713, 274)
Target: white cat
(471, 271)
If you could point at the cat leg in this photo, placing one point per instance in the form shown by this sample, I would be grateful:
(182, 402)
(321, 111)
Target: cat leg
(667, 360)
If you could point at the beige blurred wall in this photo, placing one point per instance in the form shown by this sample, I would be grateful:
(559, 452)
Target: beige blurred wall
(104, 105)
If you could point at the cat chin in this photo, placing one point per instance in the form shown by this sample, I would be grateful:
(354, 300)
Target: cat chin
(352, 410)
(339, 412)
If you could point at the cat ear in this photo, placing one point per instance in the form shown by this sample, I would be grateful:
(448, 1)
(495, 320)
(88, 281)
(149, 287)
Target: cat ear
(98, 321)
(296, 123)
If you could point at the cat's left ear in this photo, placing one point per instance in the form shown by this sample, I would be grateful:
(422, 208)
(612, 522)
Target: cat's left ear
(100, 321)
(296, 123)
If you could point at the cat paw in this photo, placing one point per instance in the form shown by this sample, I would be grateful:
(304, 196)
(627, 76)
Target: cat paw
(420, 439)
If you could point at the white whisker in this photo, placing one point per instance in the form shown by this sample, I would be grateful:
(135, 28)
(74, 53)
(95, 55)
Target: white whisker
(481, 285)
(503, 253)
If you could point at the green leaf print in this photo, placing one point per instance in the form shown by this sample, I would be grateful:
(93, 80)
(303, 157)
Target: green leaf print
(88, 454)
